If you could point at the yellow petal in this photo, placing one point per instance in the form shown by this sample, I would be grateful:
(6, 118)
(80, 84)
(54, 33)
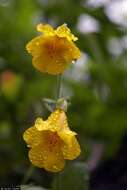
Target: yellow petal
(48, 54)
(40, 124)
(32, 136)
(52, 54)
(55, 161)
(70, 146)
(51, 142)
(36, 156)
(54, 50)
(51, 66)
(46, 29)
(46, 155)
(72, 52)
(34, 46)
(58, 120)
(64, 32)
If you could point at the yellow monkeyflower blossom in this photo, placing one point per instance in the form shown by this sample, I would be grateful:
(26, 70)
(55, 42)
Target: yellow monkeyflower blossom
(54, 50)
(51, 142)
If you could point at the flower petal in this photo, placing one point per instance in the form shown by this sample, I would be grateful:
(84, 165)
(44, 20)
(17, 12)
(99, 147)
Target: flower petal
(51, 66)
(40, 124)
(36, 156)
(72, 52)
(32, 136)
(70, 146)
(64, 32)
(46, 156)
(52, 54)
(45, 58)
(46, 29)
(55, 161)
(34, 46)
(58, 120)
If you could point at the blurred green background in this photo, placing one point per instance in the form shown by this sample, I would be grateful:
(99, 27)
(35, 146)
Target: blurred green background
(96, 84)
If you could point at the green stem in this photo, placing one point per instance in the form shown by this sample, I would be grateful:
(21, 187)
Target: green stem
(28, 174)
(58, 95)
(58, 90)
(59, 181)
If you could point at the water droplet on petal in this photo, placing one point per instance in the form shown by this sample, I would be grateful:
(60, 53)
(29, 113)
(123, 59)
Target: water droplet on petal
(37, 43)
(55, 167)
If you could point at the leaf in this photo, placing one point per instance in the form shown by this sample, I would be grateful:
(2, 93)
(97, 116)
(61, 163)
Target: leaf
(30, 187)
(75, 176)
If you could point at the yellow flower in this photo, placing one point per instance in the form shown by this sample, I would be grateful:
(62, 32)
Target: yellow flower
(51, 142)
(54, 50)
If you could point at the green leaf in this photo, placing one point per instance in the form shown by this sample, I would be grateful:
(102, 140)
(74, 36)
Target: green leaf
(75, 176)
(30, 187)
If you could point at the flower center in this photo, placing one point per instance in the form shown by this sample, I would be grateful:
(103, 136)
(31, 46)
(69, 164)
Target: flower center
(53, 140)
(54, 47)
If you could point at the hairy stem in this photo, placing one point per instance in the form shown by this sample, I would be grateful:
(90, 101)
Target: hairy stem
(58, 90)
(58, 95)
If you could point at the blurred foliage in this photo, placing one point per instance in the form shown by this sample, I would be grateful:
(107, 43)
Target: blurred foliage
(98, 101)
(30, 187)
(80, 174)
